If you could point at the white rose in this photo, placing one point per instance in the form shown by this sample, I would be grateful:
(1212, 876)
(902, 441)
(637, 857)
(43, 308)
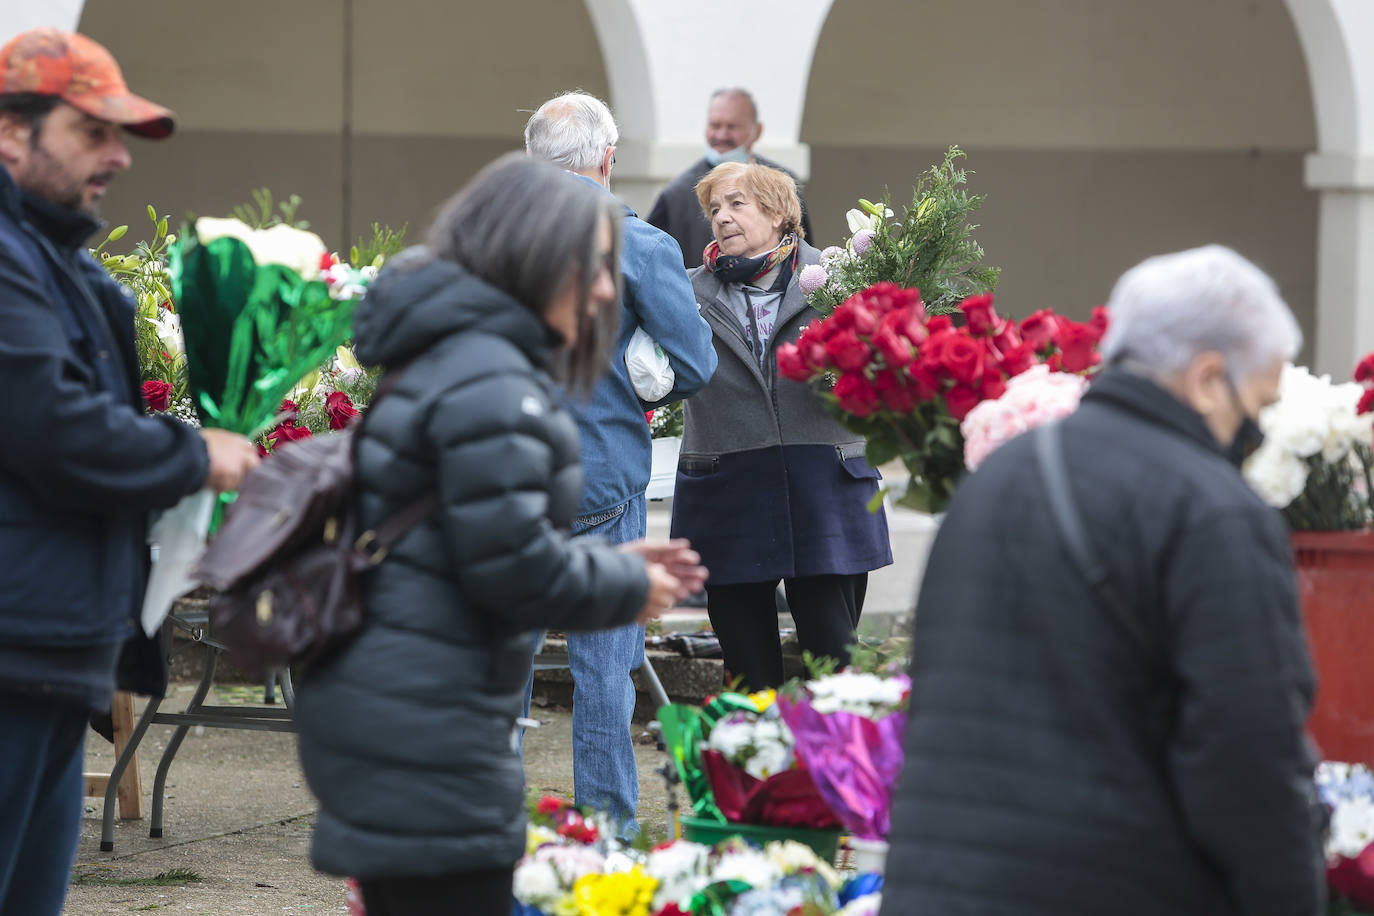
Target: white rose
(293, 248)
(536, 883)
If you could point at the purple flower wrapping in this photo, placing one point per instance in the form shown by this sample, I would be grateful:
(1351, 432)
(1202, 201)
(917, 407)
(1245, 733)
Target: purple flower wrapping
(854, 761)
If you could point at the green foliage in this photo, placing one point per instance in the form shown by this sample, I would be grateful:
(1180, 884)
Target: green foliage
(143, 272)
(261, 214)
(385, 242)
(931, 248)
(1339, 496)
(667, 421)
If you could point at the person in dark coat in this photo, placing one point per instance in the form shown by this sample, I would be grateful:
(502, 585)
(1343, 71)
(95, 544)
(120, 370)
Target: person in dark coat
(81, 465)
(1055, 764)
(406, 736)
(769, 487)
(732, 129)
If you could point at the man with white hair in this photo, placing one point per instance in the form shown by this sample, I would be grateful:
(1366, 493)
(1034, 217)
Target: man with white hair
(732, 129)
(1110, 677)
(577, 131)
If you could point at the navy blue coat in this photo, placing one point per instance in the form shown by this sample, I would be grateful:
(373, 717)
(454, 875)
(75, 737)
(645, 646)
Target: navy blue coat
(80, 465)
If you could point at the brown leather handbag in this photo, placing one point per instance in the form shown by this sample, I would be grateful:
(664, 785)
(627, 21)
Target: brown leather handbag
(288, 563)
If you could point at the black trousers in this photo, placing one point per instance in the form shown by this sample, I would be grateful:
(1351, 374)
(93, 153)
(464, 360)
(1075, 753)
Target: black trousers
(471, 893)
(745, 617)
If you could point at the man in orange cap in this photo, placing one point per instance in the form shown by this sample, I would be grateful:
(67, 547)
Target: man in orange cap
(81, 464)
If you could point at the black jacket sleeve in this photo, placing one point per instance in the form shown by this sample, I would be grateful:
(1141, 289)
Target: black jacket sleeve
(1245, 688)
(79, 446)
(495, 472)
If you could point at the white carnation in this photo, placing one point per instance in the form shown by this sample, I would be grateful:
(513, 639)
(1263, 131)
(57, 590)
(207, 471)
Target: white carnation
(1352, 828)
(536, 883)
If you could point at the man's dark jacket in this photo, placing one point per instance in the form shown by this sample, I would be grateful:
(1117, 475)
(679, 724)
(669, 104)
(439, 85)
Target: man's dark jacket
(678, 213)
(80, 463)
(405, 737)
(1051, 768)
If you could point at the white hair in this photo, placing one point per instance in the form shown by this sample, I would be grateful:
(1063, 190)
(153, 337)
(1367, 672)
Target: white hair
(1168, 309)
(573, 130)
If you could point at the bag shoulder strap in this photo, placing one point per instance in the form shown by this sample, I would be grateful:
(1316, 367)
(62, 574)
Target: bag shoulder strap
(1049, 451)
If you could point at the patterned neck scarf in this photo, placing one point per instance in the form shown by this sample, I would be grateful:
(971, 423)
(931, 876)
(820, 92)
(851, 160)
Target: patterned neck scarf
(732, 268)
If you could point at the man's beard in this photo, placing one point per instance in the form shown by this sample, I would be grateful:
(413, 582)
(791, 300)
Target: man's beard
(51, 180)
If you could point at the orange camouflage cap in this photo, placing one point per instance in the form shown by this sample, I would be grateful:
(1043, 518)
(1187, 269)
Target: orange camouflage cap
(83, 74)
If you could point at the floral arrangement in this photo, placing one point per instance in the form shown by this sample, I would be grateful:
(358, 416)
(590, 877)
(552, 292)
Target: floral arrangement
(930, 248)
(748, 774)
(665, 422)
(1348, 791)
(848, 728)
(1036, 396)
(1315, 462)
(905, 379)
(569, 873)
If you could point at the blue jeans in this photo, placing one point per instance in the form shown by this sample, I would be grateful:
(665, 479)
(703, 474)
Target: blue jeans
(41, 796)
(605, 773)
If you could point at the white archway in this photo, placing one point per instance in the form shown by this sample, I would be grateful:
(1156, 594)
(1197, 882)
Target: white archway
(1338, 41)
(663, 60)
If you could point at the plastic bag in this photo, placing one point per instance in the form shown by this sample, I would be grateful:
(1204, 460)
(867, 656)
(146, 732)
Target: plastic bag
(179, 534)
(651, 374)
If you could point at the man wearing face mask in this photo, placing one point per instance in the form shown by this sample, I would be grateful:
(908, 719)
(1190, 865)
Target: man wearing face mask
(732, 129)
(1118, 726)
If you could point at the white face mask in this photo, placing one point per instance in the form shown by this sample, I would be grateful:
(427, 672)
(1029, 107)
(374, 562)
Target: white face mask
(738, 154)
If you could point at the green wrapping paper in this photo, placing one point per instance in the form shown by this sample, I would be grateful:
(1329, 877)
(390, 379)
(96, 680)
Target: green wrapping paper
(715, 899)
(684, 731)
(252, 331)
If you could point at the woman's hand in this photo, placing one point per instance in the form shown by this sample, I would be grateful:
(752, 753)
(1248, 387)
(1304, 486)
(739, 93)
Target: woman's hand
(663, 589)
(678, 558)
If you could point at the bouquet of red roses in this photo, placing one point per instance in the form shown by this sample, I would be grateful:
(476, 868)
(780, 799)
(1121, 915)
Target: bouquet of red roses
(904, 380)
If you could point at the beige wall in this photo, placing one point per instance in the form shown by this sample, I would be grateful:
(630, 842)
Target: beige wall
(259, 86)
(1101, 131)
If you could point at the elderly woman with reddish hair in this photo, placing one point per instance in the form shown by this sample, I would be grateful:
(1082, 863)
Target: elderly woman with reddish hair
(769, 487)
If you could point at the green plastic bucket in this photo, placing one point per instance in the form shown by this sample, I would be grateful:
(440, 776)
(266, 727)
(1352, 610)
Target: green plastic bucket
(709, 832)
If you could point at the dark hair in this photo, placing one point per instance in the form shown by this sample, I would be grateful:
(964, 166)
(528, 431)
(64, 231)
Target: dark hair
(31, 107)
(528, 228)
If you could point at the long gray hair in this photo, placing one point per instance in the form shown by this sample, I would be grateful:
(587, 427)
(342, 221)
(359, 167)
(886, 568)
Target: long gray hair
(528, 228)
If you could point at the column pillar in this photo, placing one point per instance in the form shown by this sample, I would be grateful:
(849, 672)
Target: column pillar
(663, 60)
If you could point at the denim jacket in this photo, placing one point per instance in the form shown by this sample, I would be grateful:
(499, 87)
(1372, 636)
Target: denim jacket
(656, 296)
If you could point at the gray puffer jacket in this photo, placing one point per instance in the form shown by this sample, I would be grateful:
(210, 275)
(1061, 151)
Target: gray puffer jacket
(405, 736)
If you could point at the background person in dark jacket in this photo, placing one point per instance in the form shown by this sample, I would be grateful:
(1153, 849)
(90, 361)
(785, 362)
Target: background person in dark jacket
(81, 465)
(732, 129)
(577, 132)
(406, 737)
(769, 486)
(1054, 765)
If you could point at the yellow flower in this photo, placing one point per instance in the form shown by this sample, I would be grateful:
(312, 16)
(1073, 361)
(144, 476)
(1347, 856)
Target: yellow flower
(566, 906)
(763, 699)
(623, 894)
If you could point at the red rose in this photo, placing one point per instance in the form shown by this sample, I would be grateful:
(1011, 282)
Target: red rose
(910, 323)
(1364, 372)
(842, 319)
(1007, 336)
(262, 452)
(926, 378)
(994, 386)
(849, 352)
(934, 345)
(865, 322)
(963, 357)
(1078, 346)
(1017, 360)
(550, 805)
(896, 351)
(339, 407)
(884, 298)
(814, 352)
(856, 395)
(983, 320)
(287, 432)
(791, 365)
(939, 323)
(897, 396)
(1038, 329)
(1366, 404)
(157, 394)
(1101, 320)
(289, 407)
(960, 400)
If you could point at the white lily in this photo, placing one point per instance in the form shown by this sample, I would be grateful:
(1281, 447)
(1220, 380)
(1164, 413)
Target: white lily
(861, 219)
(168, 324)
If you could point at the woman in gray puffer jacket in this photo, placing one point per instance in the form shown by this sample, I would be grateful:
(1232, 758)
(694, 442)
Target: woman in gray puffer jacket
(405, 736)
